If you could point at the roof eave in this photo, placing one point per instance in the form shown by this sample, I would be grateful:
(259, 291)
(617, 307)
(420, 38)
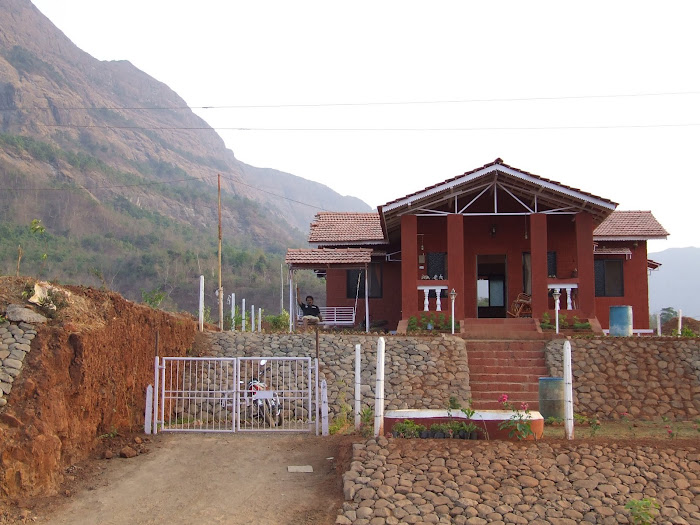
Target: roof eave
(629, 237)
(504, 169)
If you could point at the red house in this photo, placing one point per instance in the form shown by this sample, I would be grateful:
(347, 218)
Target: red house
(501, 238)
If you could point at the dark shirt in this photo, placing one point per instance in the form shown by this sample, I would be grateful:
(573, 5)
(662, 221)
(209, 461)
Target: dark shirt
(310, 309)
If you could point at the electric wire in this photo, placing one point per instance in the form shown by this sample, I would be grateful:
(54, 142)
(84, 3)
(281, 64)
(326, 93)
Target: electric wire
(377, 103)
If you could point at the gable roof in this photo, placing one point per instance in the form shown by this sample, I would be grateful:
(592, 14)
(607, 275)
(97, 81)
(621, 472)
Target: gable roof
(535, 193)
(320, 257)
(346, 228)
(631, 226)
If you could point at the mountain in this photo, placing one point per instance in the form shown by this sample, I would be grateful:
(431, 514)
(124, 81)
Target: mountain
(123, 177)
(676, 283)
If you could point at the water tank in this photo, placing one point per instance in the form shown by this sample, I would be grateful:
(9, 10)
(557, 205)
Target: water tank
(551, 396)
(621, 321)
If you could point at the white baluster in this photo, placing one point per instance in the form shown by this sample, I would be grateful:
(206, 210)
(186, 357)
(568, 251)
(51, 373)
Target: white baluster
(437, 299)
(569, 306)
(425, 301)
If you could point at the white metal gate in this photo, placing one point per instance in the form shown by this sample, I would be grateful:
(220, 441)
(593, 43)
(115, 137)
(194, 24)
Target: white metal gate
(206, 394)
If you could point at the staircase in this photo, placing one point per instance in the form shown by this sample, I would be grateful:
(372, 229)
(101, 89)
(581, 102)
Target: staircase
(500, 328)
(505, 367)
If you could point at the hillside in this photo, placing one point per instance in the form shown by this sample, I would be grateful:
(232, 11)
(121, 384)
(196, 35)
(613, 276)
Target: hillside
(676, 284)
(123, 177)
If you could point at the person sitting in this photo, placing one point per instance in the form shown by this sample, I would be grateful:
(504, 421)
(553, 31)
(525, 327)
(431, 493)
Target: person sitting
(311, 314)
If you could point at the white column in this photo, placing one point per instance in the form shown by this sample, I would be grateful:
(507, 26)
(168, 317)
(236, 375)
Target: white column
(379, 391)
(568, 393)
(233, 312)
(324, 408)
(358, 386)
(438, 301)
(425, 301)
(201, 303)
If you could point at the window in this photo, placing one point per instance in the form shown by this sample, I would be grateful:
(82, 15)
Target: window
(375, 282)
(551, 264)
(437, 264)
(609, 278)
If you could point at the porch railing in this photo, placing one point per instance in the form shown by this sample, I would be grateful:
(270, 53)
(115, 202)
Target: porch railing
(426, 289)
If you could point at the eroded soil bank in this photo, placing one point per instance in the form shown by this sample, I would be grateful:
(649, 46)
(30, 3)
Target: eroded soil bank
(86, 375)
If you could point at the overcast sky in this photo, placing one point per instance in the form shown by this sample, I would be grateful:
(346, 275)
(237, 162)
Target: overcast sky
(380, 99)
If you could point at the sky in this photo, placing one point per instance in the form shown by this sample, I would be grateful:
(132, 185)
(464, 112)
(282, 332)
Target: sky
(381, 99)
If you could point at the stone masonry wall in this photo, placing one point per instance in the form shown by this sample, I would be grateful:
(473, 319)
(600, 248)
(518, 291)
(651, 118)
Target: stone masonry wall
(645, 377)
(419, 372)
(15, 343)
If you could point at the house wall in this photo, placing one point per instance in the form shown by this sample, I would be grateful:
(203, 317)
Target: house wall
(636, 285)
(387, 308)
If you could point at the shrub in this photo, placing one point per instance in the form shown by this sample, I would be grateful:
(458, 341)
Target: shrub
(408, 429)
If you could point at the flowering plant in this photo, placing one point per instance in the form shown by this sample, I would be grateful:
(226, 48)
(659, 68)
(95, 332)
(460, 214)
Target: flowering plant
(519, 423)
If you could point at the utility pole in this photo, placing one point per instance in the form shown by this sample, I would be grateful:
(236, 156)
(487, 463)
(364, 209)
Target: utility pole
(221, 289)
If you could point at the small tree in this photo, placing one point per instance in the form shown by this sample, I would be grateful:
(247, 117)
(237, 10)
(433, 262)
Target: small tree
(667, 314)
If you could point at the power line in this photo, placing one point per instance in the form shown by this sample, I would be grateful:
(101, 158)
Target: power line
(476, 128)
(85, 188)
(355, 104)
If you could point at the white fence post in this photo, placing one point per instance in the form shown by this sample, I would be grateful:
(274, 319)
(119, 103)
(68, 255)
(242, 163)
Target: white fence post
(259, 319)
(156, 392)
(358, 387)
(147, 421)
(568, 393)
(201, 303)
(680, 322)
(243, 316)
(252, 318)
(233, 312)
(379, 391)
(324, 408)
(658, 325)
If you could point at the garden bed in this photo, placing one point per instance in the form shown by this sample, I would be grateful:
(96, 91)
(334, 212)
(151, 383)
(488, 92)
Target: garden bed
(487, 422)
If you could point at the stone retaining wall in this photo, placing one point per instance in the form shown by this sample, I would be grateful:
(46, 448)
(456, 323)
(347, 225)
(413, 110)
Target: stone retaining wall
(419, 372)
(479, 482)
(15, 344)
(645, 377)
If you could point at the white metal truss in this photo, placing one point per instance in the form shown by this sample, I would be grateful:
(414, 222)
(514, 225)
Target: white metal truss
(208, 394)
(494, 185)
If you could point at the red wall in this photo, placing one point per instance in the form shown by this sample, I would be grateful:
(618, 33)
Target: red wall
(388, 308)
(636, 285)
(509, 240)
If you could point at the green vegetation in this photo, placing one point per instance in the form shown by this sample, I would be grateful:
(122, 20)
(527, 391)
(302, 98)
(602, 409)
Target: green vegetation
(407, 429)
(431, 321)
(643, 511)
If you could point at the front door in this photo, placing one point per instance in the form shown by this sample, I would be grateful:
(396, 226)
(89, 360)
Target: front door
(491, 285)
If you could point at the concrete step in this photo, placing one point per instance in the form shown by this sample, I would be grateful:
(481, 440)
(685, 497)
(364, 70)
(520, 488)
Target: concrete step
(508, 369)
(502, 387)
(503, 361)
(532, 404)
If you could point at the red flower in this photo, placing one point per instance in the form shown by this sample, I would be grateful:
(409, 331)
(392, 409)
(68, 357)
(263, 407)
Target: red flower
(503, 398)
(523, 406)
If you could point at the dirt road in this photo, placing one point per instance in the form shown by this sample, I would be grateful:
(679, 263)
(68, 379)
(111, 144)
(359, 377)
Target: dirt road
(213, 478)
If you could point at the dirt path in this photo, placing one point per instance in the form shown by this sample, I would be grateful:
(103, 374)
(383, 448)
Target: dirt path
(213, 478)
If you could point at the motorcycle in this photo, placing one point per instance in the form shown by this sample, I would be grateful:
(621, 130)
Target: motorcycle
(263, 404)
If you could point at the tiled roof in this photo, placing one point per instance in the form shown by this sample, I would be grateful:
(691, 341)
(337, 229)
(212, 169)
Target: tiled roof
(346, 228)
(325, 256)
(499, 162)
(630, 225)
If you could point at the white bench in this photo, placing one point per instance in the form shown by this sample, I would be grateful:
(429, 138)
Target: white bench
(635, 331)
(334, 315)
